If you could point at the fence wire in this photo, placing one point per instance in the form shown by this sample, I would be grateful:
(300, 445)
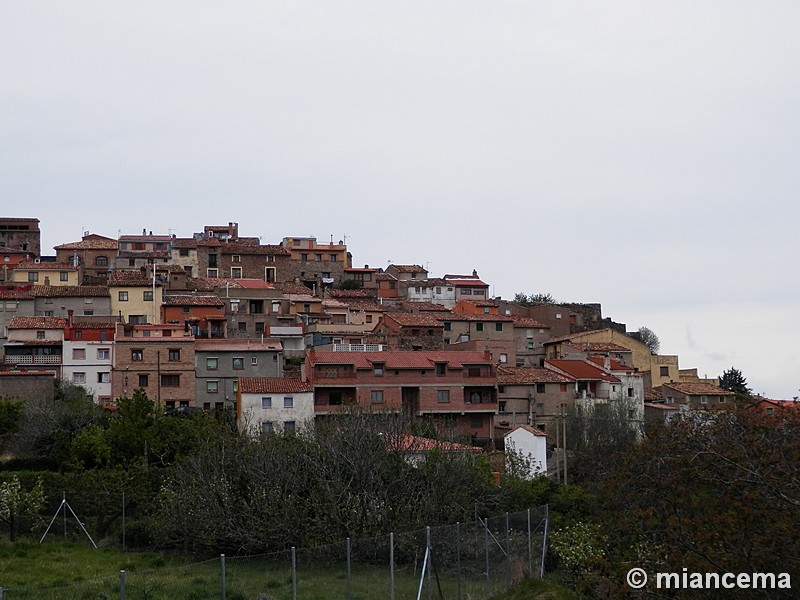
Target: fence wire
(464, 561)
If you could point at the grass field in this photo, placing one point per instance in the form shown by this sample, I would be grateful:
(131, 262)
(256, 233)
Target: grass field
(58, 571)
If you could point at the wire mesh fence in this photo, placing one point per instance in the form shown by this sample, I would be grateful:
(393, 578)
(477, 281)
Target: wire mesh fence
(463, 561)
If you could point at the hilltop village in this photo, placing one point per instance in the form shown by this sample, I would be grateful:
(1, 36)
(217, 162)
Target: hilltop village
(282, 334)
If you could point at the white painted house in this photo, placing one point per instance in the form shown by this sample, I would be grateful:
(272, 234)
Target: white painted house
(531, 445)
(274, 404)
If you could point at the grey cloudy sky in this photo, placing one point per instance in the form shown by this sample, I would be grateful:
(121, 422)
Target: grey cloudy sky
(638, 154)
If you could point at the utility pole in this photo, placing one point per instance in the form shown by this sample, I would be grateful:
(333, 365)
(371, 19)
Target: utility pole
(564, 440)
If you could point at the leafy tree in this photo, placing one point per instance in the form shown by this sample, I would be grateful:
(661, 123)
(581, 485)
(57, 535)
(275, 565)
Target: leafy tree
(534, 299)
(734, 381)
(649, 338)
(350, 284)
(716, 494)
(17, 504)
(10, 419)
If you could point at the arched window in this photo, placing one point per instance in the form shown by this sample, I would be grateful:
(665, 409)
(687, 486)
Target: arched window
(101, 261)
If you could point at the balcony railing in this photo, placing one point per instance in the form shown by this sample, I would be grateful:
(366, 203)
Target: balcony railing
(32, 359)
(358, 347)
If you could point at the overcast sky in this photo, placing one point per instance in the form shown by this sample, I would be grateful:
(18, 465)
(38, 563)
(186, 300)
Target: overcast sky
(638, 154)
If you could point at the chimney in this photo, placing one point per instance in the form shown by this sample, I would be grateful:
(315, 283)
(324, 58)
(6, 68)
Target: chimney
(144, 231)
(474, 273)
(607, 363)
(70, 312)
(366, 266)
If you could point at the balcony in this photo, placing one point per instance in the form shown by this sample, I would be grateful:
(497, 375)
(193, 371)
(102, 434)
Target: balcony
(32, 359)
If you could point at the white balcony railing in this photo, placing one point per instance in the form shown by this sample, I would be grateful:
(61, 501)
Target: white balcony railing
(29, 359)
(358, 347)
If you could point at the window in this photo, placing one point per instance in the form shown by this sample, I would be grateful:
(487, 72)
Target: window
(498, 327)
(212, 261)
(630, 392)
(269, 273)
(478, 326)
(266, 402)
(104, 377)
(377, 369)
(79, 378)
(256, 307)
(63, 276)
(174, 354)
(376, 396)
(122, 296)
(333, 258)
(303, 257)
(288, 402)
(79, 354)
(267, 427)
(170, 380)
(40, 335)
(238, 363)
(78, 335)
(259, 327)
(473, 372)
(289, 427)
(236, 258)
(212, 363)
(447, 326)
(503, 357)
(530, 345)
(236, 272)
(103, 353)
(332, 372)
(443, 396)
(144, 379)
(770, 411)
(242, 327)
(101, 261)
(254, 360)
(368, 318)
(88, 313)
(540, 388)
(183, 252)
(318, 257)
(212, 273)
(703, 399)
(558, 315)
(137, 355)
(670, 400)
(212, 387)
(147, 295)
(466, 292)
(722, 399)
(664, 371)
(33, 276)
(48, 313)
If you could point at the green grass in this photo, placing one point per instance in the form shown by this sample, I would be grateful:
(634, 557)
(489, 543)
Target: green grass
(57, 570)
(536, 589)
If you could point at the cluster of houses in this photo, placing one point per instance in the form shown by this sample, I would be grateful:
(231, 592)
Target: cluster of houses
(290, 332)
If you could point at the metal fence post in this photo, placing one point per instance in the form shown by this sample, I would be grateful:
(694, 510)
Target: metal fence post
(544, 537)
(2, 593)
(222, 573)
(294, 573)
(486, 542)
(458, 560)
(430, 557)
(391, 566)
(530, 548)
(349, 573)
(121, 585)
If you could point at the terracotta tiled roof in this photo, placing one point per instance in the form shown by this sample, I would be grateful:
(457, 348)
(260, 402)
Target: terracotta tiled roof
(234, 345)
(95, 324)
(69, 291)
(480, 303)
(399, 359)
(413, 443)
(662, 406)
(529, 429)
(16, 294)
(466, 282)
(26, 373)
(191, 300)
(528, 323)
(273, 385)
(184, 243)
(528, 376)
(407, 268)
(30, 265)
(130, 279)
(159, 254)
(423, 307)
(479, 317)
(37, 323)
(698, 389)
(385, 277)
(577, 369)
(292, 288)
(365, 305)
(651, 394)
(430, 282)
(145, 238)
(261, 250)
(91, 243)
(350, 294)
(250, 284)
(597, 347)
(405, 319)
